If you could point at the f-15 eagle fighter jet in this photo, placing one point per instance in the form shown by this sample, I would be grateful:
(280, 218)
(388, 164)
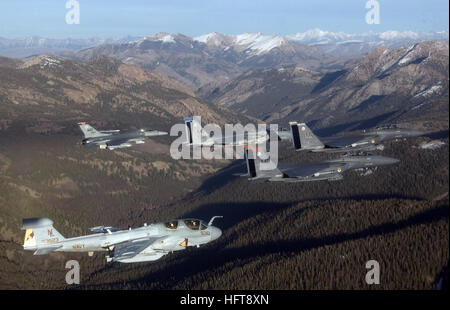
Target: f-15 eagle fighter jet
(331, 170)
(197, 136)
(305, 140)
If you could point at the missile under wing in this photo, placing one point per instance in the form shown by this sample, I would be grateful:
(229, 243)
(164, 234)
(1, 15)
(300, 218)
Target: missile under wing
(332, 170)
(113, 139)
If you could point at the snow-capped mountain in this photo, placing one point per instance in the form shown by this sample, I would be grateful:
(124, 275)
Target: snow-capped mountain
(208, 58)
(318, 36)
(345, 44)
(412, 80)
(255, 43)
(216, 57)
(334, 43)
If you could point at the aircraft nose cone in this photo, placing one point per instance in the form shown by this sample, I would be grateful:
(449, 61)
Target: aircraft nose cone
(417, 133)
(215, 233)
(383, 160)
(390, 161)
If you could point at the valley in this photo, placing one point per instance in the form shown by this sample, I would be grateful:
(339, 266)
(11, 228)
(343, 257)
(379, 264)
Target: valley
(313, 235)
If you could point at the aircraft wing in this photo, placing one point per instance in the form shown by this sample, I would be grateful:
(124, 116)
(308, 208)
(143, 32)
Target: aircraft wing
(116, 142)
(154, 133)
(104, 229)
(304, 169)
(344, 141)
(44, 251)
(132, 248)
(106, 140)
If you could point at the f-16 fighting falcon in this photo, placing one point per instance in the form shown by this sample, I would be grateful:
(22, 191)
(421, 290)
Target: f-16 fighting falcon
(113, 139)
(304, 139)
(197, 136)
(143, 244)
(331, 170)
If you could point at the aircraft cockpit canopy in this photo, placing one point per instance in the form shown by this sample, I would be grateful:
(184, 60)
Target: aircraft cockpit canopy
(195, 224)
(172, 225)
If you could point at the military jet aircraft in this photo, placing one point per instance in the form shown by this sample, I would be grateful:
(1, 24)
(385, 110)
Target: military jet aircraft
(304, 139)
(113, 139)
(197, 136)
(143, 244)
(331, 170)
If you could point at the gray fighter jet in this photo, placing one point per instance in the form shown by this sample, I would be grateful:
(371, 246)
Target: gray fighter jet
(113, 139)
(143, 244)
(304, 139)
(197, 136)
(331, 170)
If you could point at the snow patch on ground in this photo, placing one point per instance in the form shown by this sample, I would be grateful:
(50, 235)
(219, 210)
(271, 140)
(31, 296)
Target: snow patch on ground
(417, 106)
(432, 145)
(209, 37)
(407, 57)
(259, 42)
(429, 91)
(49, 62)
(167, 39)
(43, 61)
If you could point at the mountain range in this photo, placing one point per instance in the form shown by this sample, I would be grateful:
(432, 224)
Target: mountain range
(317, 37)
(387, 82)
(345, 44)
(275, 236)
(215, 57)
(50, 94)
(195, 63)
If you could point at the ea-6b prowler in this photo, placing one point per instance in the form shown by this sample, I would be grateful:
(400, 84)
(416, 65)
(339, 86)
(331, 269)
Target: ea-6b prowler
(304, 139)
(143, 244)
(331, 170)
(113, 139)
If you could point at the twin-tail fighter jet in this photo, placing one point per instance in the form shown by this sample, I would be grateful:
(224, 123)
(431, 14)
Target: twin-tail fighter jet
(113, 139)
(197, 136)
(331, 170)
(305, 140)
(143, 244)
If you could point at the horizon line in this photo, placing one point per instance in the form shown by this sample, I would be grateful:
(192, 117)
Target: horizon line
(443, 31)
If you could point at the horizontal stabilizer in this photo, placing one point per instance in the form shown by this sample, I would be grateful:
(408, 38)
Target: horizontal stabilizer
(241, 175)
(43, 251)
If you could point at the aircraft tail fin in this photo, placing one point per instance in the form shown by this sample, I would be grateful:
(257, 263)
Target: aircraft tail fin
(255, 169)
(40, 235)
(251, 161)
(303, 138)
(89, 131)
(194, 131)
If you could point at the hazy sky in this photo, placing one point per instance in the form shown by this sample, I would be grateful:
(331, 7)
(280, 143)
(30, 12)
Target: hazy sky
(111, 18)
